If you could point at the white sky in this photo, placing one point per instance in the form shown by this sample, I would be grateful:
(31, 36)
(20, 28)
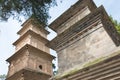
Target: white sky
(9, 29)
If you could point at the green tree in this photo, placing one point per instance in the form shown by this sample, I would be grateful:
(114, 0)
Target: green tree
(54, 68)
(26, 8)
(116, 24)
(2, 77)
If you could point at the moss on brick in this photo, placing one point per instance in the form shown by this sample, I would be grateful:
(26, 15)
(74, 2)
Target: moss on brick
(65, 74)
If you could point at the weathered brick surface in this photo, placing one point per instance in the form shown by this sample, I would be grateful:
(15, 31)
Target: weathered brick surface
(32, 59)
(93, 44)
(78, 16)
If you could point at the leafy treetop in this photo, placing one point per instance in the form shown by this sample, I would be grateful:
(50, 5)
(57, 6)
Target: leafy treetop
(2, 77)
(116, 24)
(26, 8)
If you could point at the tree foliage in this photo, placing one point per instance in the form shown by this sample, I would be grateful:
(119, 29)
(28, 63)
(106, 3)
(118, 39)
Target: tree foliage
(2, 77)
(26, 8)
(116, 24)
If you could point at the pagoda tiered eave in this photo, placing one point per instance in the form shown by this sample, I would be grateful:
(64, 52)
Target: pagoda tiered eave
(28, 47)
(71, 12)
(33, 22)
(79, 28)
(30, 32)
(98, 67)
(24, 73)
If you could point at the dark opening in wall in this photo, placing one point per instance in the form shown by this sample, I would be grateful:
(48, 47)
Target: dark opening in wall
(40, 67)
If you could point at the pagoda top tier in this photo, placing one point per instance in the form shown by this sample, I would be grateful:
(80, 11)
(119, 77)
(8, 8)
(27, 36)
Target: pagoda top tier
(34, 25)
(79, 9)
(82, 26)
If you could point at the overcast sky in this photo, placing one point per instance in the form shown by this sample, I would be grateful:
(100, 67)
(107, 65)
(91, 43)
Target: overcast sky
(9, 29)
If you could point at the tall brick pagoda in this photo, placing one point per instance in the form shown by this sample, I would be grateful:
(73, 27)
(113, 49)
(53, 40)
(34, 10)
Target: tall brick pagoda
(32, 59)
(87, 44)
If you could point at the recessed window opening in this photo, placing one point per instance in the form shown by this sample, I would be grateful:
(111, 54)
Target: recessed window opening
(40, 67)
